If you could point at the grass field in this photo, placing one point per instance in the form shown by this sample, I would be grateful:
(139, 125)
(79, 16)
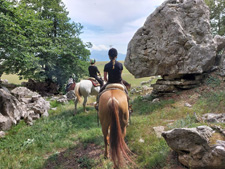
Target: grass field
(126, 76)
(65, 141)
(12, 78)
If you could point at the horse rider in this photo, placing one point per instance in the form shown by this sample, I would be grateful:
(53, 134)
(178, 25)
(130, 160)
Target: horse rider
(70, 81)
(94, 72)
(114, 71)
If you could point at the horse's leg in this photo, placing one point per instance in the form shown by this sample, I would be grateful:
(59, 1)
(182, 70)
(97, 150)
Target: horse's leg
(106, 140)
(75, 104)
(84, 103)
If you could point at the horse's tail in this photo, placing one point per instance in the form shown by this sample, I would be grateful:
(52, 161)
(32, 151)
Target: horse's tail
(118, 147)
(77, 91)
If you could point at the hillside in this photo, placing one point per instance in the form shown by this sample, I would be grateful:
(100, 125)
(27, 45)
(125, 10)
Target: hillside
(66, 141)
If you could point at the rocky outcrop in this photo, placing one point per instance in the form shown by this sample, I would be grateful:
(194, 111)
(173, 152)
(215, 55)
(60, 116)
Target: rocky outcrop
(197, 147)
(21, 103)
(214, 118)
(176, 43)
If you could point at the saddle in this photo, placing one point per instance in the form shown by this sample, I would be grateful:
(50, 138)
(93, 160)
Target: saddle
(94, 81)
(115, 86)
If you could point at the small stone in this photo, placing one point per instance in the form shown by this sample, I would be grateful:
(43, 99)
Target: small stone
(2, 134)
(141, 140)
(187, 105)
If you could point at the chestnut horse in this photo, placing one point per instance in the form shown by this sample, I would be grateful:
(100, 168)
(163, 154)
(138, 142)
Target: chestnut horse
(114, 114)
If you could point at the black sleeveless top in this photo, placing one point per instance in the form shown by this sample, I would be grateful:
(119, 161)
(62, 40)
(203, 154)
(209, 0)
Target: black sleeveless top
(114, 75)
(93, 70)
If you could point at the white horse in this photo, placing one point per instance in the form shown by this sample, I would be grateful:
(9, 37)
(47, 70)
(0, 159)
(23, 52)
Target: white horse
(84, 88)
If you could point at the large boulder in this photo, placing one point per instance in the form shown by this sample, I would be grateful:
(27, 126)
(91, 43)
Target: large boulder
(197, 147)
(175, 40)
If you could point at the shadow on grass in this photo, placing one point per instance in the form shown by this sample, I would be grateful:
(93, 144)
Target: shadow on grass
(88, 150)
(79, 156)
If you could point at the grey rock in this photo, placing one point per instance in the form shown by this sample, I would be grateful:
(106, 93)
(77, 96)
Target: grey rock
(214, 118)
(220, 41)
(70, 95)
(23, 92)
(5, 123)
(158, 131)
(175, 40)
(194, 148)
(10, 106)
(23, 104)
(2, 134)
(187, 105)
(62, 99)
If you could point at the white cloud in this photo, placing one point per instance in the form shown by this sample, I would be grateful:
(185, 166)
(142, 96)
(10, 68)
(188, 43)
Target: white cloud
(110, 22)
(99, 47)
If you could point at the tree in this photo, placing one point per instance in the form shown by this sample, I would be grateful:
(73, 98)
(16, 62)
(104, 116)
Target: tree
(217, 16)
(52, 49)
(17, 33)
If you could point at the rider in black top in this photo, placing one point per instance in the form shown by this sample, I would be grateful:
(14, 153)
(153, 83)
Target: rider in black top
(94, 72)
(114, 74)
(113, 69)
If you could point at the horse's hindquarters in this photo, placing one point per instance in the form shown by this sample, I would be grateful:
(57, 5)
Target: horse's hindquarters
(113, 113)
(121, 100)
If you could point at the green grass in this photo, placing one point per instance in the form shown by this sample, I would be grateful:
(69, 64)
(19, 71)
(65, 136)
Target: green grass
(25, 146)
(35, 146)
(213, 102)
(12, 78)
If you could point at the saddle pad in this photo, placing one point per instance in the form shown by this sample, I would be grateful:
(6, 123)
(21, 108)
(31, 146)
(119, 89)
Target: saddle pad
(115, 85)
(91, 78)
(94, 81)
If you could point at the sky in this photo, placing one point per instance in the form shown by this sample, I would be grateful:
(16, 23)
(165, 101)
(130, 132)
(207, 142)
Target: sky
(110, 23)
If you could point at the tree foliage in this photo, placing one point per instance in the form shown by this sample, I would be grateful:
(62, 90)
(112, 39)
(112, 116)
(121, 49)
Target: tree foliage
(38, 41)
(217, 16)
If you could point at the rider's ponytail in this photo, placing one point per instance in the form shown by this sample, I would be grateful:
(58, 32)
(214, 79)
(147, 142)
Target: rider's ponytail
(113, 62)
(113, 54)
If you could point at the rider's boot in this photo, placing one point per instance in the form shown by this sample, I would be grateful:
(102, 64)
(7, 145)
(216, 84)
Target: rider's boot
(96, 104)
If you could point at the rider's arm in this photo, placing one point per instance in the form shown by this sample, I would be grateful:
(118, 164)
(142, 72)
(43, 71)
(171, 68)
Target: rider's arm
(105, 76)
(98, 70)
